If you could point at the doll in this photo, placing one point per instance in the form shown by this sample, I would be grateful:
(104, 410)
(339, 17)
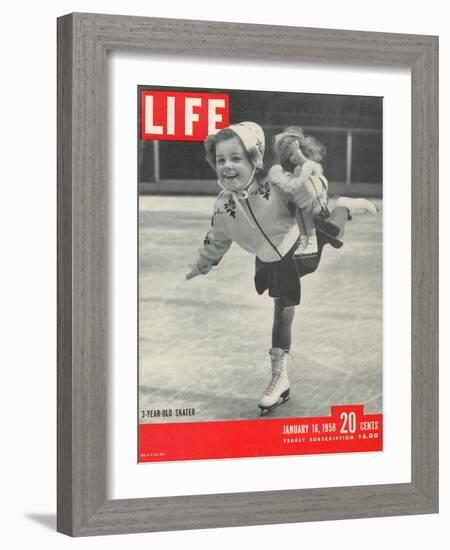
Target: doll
(299, 173)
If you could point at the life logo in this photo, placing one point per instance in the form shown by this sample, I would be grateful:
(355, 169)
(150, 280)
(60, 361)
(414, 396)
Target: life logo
(182, 116)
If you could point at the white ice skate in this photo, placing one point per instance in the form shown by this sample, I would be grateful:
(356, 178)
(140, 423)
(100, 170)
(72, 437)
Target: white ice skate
(277, 391)
(355, 206)
(307, 247)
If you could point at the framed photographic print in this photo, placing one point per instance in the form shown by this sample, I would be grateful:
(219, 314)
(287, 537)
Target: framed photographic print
(241, 310)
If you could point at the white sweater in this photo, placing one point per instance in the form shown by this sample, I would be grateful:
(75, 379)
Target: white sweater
(266, 228)
(264, 223)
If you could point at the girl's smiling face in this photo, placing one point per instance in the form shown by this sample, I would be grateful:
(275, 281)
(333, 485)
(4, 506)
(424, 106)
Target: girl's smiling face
(233, 167)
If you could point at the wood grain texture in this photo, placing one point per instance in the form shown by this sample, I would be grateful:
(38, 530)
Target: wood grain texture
(83, 317)
(425, 272)
(64, 300)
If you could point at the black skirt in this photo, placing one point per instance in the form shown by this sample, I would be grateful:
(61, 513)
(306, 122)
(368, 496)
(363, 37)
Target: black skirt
(282, 278)
(279, 278)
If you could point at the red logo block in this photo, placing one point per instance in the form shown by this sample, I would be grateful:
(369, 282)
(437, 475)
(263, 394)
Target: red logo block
(182, 116)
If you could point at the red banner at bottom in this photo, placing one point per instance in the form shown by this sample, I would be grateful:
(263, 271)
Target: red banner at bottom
(347, 430)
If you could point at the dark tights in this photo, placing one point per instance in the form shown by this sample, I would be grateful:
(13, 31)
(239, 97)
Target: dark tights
(283, 317)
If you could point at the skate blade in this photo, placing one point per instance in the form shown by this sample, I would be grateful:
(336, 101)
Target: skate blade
(283, 398)
(333, 241)
(307, 256)
(326, 227)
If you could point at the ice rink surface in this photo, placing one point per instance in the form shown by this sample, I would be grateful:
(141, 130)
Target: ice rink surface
(204, 343)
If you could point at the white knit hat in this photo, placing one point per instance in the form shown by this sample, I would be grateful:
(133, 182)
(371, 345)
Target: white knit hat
(252, 136)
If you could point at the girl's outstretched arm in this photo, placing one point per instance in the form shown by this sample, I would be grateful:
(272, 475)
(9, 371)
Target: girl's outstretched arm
(215, 245)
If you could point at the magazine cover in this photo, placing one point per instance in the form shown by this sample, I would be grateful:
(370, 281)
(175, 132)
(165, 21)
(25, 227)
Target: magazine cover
(260, 273)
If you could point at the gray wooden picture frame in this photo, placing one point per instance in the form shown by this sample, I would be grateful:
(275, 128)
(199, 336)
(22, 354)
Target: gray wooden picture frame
(83, 42)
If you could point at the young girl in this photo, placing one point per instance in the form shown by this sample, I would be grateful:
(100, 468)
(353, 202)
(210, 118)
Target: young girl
(260, 217)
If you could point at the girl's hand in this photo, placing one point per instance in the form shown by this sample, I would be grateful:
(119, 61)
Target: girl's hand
(193, 272)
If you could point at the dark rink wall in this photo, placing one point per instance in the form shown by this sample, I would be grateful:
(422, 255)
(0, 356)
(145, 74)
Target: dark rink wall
(350, 128)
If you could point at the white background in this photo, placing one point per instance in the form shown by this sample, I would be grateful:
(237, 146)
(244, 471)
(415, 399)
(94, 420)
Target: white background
(28, 275)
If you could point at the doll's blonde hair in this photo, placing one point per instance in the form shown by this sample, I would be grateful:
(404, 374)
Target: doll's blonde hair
(310, 147)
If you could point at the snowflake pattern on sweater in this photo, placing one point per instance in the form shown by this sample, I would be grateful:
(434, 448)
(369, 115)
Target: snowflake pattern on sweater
(264, 190)
(230, 207)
